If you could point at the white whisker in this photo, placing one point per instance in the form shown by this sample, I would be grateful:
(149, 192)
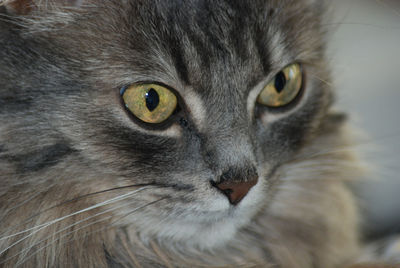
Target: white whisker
(133, 211)
(322, 80)
(44, 225)
(76, 223)
(22, 203)
(53, 241)
(80, 228)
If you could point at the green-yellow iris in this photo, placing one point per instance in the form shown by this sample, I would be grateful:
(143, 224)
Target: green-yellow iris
(151, 103)
(283, 89)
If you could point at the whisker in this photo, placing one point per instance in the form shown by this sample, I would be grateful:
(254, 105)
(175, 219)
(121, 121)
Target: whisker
(22, 203)
(53, 241)
(130, 213)
(44, 225)
(77, 199)
(87, 225)
(322, 80)
(80, 221)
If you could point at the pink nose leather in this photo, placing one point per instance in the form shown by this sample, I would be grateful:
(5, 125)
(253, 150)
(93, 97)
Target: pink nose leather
(236, 190)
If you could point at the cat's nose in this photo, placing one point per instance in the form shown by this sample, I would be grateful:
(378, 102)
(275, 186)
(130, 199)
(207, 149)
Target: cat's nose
(235, 191)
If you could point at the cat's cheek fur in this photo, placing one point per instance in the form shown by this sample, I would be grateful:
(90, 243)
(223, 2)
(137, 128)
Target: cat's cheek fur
(208, 223)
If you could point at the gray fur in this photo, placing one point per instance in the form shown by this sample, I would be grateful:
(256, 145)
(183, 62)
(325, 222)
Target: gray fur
(67, 144)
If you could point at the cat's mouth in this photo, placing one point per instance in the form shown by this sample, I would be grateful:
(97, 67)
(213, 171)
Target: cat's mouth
(207, 223)
(227, 200)
(200, 214)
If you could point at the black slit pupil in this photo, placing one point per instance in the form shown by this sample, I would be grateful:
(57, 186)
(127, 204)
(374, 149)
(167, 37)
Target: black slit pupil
(152, 99)
(280, 82)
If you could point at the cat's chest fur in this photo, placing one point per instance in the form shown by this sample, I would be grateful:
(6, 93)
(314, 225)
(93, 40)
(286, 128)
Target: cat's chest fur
(171, 134)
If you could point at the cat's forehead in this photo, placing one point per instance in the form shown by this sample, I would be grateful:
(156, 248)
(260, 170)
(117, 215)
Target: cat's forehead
(205, 43)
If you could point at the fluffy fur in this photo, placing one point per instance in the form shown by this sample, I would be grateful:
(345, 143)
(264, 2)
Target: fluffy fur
(83, 185)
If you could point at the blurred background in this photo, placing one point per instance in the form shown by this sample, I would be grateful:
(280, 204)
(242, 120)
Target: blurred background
(364, 51)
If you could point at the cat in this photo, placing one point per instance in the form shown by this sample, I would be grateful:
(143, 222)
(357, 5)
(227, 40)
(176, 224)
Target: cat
(192, 133)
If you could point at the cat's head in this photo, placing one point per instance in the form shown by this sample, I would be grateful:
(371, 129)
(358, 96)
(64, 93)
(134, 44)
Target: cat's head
(198, 103)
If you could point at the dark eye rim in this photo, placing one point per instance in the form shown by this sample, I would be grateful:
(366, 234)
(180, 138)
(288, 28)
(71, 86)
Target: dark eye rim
(260, 108)
(174, 118)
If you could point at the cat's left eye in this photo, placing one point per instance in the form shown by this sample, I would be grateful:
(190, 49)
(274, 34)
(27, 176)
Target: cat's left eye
(151, 103)
(283, 89)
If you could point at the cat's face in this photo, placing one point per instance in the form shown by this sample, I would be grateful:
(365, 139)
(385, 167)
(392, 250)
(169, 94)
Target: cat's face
(216, 59)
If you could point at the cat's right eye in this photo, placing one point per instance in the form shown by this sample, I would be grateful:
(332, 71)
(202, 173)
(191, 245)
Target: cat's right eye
(151, 103)
(284, 88)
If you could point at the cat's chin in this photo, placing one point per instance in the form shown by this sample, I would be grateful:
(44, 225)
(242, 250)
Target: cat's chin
(208, 225)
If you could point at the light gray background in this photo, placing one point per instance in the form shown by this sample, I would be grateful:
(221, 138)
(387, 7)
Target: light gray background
(364, 51)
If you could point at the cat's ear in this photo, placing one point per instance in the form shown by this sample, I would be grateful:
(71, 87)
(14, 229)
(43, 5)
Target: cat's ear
(24, 7)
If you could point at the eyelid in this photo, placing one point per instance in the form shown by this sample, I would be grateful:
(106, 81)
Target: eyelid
(123, 89)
